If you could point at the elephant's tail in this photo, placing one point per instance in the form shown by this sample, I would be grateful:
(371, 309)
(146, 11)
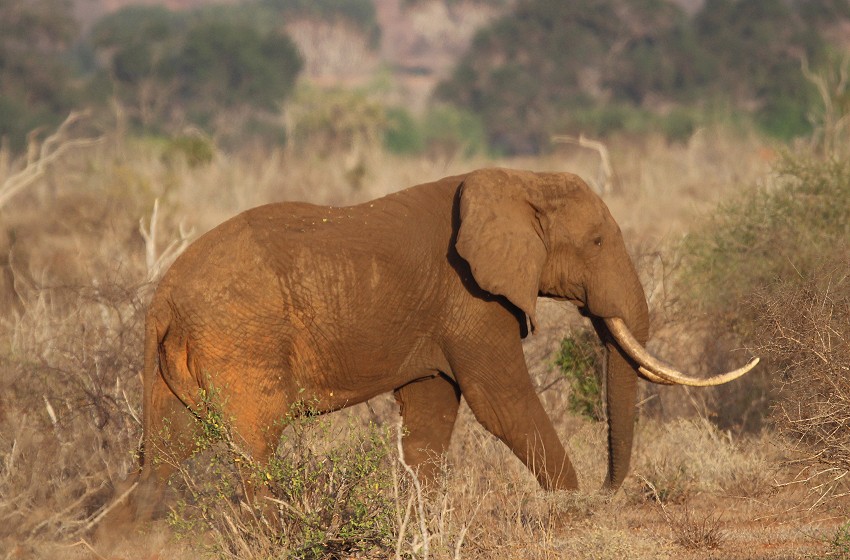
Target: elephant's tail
(156, 325)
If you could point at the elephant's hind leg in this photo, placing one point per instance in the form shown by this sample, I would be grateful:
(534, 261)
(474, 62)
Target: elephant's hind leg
(428, 410)
(170, 437)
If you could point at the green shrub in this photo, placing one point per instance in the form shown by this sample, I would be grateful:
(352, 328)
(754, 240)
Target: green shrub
(760, 251)
(328, 494)
(677, 125)
(328, 121)
(839, 544)
(768, 233)
(580, 361)
(444, 130)
(450, 131)
(403, 134)
(197, 150)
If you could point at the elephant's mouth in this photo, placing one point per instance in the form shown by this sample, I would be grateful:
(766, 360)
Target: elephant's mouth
(652, 369)
(578, 302)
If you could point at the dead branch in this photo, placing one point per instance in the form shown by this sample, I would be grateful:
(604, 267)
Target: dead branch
(155, 261)
(604, 184)
(40, 157)
(831, 87)
(420, 503)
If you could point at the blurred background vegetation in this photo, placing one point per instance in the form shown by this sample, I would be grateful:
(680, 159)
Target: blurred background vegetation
(511, 73)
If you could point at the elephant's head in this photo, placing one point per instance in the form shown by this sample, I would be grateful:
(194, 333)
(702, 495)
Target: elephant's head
(526, 235)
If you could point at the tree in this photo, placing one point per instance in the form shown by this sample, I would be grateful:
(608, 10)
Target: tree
(525, 70)
(234, 64)
(656, 54)
(35, 82)
(170, 67)
(360, 13)
(550, 66)
(757, 46)
(138, 44)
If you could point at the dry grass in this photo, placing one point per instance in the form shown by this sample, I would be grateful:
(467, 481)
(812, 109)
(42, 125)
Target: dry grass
(76, 278)
(683, 458)
(697, 532)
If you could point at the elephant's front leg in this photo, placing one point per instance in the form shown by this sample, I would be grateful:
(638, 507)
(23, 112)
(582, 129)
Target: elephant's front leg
(498, 389)
(428, 409)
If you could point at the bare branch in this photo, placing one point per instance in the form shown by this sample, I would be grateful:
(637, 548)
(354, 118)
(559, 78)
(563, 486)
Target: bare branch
(40, 157)
(832, 85)
(155, 261)
(420, 503)
(604, 183)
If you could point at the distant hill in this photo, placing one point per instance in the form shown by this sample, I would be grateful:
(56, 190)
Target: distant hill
(522, 70)
(89, 11)
(602, 66)
(420, 40)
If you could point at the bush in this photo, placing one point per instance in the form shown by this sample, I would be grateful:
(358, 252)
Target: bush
(713, 461)
(776, 231)
(600, 121)
(195, 149)
(696, 532)
(329, 122)
(67, 424)
(331, 494)
(839, 544)
(806, 335)
(403, 134)
(770, 267)
(580, 361)
(444, 131)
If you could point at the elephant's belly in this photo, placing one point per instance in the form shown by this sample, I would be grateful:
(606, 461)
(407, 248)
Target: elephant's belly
(352, 371)
(271, 350)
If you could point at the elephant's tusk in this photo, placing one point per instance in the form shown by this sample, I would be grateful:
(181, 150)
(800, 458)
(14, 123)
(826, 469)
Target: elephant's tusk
(649, 376)
(652, 369)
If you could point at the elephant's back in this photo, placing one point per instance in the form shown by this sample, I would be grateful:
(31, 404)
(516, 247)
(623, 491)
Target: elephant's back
(214, 255)
(219, 276)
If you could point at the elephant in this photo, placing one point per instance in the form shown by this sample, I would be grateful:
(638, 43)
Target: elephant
(426, 292)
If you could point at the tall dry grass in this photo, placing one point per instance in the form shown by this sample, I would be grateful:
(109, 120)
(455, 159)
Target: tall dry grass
(82, 250)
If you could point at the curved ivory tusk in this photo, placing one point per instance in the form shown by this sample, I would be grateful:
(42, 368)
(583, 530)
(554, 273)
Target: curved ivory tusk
(653, 370)
(649, 376)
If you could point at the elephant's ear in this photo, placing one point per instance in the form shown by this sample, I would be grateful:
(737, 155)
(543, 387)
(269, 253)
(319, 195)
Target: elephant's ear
(500, 236)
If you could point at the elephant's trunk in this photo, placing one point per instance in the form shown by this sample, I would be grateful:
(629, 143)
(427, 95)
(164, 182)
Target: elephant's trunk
(621, 393)
(625, 338)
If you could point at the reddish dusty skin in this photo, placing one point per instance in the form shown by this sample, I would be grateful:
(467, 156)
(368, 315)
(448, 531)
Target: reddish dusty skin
(425, 292)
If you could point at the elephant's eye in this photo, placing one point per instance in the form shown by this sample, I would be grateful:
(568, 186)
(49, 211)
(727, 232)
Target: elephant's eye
(597, 241)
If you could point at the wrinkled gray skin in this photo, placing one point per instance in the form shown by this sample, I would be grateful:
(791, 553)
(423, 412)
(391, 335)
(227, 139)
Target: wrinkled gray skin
(426, 292)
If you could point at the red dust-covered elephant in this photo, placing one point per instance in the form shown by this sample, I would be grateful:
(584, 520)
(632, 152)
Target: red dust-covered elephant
(426, 292)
